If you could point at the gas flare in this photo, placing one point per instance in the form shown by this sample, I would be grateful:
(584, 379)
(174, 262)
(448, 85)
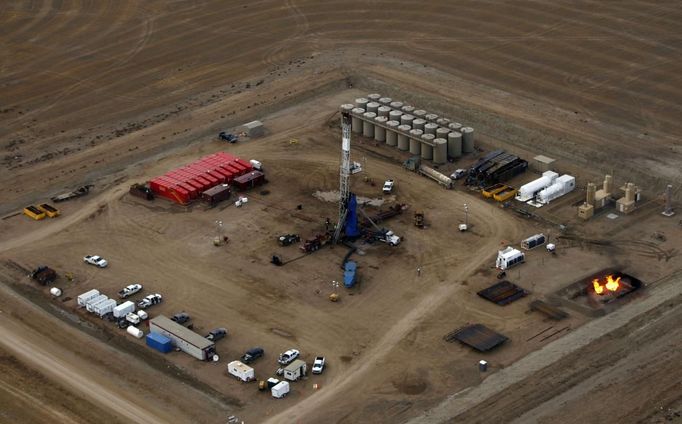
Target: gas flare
(610, 285)
(597, 288)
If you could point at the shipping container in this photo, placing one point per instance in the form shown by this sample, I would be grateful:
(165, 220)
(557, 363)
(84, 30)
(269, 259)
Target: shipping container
(533, 241)
(250, 180)
(216, 194)
(159, 342)
(246, 164)
(88, 295)
(123, 309)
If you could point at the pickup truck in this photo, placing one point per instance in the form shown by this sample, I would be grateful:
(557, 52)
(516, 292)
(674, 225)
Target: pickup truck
(318, 365)
(388, 186)
(129, 290)
(216, 334)
(149, 300)
(288, 357)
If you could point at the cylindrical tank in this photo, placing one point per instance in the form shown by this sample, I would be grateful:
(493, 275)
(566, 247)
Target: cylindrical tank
(443, 122)
(373, 107)
(383, 110)
(361, 102)
(385, 100)
(608, 184)
(391, 135)
(454, 144)
(407, 109)
(467, 140)
(442, 132)
(406, 119)
(630, 192)
(347, 107)
(427, 146)
(395, 115)
(455, 126)
(403, 139)
(591, 190)
(440, 151)
(379, 131)
(415, 141)
(418, 123)
(431, 117)
(483, 365)
(56, 291)
(368, 124)
(396, 105)
(135, 332)
(419, 113)
(356, 122)
(374, 97)
(430, 128)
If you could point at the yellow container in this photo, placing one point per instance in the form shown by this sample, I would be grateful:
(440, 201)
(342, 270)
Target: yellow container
(492, 190)
(505, 195)
(49, 210)
(33, 212)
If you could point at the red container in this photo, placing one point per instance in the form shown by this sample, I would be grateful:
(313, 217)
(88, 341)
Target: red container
(218, 175)
(227, 175)
(191, 190)
(225, 156)
(197, 185)
(244, 163)
(235, 169)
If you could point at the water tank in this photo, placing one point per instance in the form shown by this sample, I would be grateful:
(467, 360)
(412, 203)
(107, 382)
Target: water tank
(383, 110)
(419, 113)
(395, 115)
(443, 122)
(418, 123)
(440, 151)
(454, 144)
(442, 132)
(427, 146)
(368, 124)
(385, 100)
(406, 119)
(379, 131)
(347, 107)
(407, 109)
(467, 139)
(391, 135)
(415, 141)
(403, 140)
(135, 332)
(356, 121)
(430, 128)
(361, 102)
(396, 105)
(431, 117)
(373, 107)
(455, 126)
(374, 97)
(56, 291)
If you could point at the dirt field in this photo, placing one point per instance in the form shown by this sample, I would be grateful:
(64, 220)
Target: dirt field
(111, 93)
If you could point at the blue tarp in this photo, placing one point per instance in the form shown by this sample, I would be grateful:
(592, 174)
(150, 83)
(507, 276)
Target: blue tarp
(352, 229)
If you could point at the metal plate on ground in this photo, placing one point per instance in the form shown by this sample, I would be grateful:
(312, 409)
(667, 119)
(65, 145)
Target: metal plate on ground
(503, 293)
(477, 336)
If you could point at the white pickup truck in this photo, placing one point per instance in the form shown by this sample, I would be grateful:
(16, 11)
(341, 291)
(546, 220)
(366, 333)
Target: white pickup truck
(390, 238)
(129, 290)
(388, 186)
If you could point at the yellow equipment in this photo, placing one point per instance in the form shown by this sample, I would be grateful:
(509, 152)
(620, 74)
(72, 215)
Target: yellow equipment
(506, 194)
(33, 212)
(49, 210)
(492, 190)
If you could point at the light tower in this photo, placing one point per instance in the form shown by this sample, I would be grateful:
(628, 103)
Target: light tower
(344, 176)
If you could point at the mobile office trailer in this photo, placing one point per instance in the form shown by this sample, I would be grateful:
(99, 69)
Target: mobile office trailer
(104, 308)
(183, 338)
(295, 370)
(123, 309)
(94, 301)
(533, 241)
(509, 257)
(88, 295)
(240, 370)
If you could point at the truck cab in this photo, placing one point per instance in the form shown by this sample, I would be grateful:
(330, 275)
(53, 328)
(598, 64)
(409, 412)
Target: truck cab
(388, 186)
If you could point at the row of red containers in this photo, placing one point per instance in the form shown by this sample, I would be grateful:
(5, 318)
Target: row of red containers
(185, 184)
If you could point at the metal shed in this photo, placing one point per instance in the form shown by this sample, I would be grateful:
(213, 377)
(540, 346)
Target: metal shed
(254, 129)
(250, 180)
(183, 338)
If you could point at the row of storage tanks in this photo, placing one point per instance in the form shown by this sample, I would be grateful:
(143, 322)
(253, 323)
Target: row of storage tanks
(428, 135)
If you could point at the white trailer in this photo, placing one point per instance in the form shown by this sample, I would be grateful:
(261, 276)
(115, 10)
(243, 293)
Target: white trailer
(105, 307)
(241, 371)
(85, 297)
(280, 390)
(123, 309)
(509, 257)
(295, 370)
(528, 191)
(94, 301)
(564, 184)
(183, 338)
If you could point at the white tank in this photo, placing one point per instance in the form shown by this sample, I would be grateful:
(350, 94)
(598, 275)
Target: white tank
(403, 139)
(415, 141)
(406, 120)
(56, 291)
(455, 126)
(361, 102)
(368, 124)
(135, 332)
(356, 121)
(419, 113)
(442, 132)
(430, 128)
(440, 151)
(395, 115)
(467, 139)
(347, 107)
(407, 109)
(379, 131)
(374, 97)
(443, 122)
(418, 124)
(373, 107)
(383, 111)
(391, 134)
(427, 146)
(431, 117)
(397, 105)
(385, 100)
(454, 144)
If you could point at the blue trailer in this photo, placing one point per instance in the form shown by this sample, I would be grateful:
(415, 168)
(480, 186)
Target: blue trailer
(159, 342)
(350, 274)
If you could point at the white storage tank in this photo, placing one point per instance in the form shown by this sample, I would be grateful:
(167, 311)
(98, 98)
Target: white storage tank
(419, 113)
(455, 126)
(454, 144)
(394, 115)
(528, 191)
(385, 100)
(356, 120)
(368, 124)
(418, 124)
(135, 332)
(403, 139)
(374, 97)
(406, 119)
(564, 184)
(56, 291)
(373, 107)
(430, 128)
(427, 146)
(383, 111)
(415, 141)
(443, 122)
(379, 131)
(391, 134)
(347, 107)
(431, 117)
(442, 132)
(361, 102)
(85, 297)
(440, 151)
(407, 109)
(397, 105)
(467, 139)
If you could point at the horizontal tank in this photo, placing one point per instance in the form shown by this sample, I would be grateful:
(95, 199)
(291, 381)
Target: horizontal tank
(418, 123)
(373, 107)
(368, 124)
(383, 111)
(454, 144)
(440, 151)
(379, 131)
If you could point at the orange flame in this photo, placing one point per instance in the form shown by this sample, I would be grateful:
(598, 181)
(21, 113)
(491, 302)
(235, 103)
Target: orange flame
(610, 285)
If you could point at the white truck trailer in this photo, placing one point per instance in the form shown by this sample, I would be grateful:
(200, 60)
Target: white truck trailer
(123, 309)
(280, 389)
(509, 257)
(241, 371)
(88, 295)
(94, 301)
(183, 338)
(103, 308)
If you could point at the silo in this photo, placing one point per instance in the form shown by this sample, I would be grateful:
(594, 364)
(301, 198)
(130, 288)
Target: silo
(591, 190)
(630, 192)
(356, 121)
(403, 140)
(443, 122)
(396, 105)
(427, 146)
(379, 131)
(383, 110)
(385, 100)
(431, 117)
(395, 115)
(347, 107)
(361, 102)
(415, 141)
(407, 109)
(442, 132)
(419, 113)
(467, 140)
(374, 97)
(391, 135)
(440, 151)
(418, 123)
(454, 144)
(373, 107)
(608, 184)
(406, 119)
(368, 124)
(430, 128)
(455, 126)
